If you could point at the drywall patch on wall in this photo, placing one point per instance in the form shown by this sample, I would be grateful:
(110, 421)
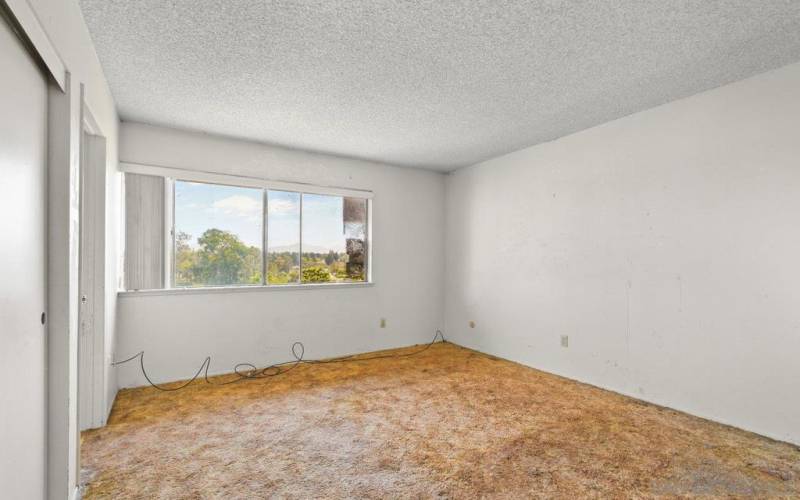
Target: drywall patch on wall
(664, 244)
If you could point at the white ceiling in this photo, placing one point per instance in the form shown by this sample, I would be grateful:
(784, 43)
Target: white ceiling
(437, 84)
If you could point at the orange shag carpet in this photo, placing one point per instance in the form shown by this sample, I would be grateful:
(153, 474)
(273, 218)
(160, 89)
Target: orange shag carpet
(447, 423)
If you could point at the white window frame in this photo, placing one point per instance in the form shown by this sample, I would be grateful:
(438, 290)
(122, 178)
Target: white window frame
(171, 175)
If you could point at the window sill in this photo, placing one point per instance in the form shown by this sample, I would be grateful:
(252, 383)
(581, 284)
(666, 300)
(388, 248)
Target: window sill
(239, 289)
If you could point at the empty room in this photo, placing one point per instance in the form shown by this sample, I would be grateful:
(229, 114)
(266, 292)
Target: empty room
(429, 249)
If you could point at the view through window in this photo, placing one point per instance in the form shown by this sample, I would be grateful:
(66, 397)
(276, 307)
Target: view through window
(283, 221)
(219, 235)
(334, 232)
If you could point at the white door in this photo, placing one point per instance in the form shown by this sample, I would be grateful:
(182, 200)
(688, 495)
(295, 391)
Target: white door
(91, 390)
(23, 157)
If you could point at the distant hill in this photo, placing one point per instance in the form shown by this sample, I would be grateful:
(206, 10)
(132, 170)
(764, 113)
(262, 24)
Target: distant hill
(306, 249)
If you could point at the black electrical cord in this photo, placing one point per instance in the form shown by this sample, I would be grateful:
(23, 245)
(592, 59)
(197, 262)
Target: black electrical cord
(252, 372)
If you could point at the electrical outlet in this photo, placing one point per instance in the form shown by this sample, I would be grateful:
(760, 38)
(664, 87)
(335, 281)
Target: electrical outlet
(565, 341)
(383, 322)
(472, 324)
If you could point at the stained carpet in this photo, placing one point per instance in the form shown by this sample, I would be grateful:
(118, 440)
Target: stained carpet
(448, 423)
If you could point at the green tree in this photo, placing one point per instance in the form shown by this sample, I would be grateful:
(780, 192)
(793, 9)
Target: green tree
(223, 259)
(283, 267)
(185, 260)
(316, 274)
(331, 257)
(252, 267)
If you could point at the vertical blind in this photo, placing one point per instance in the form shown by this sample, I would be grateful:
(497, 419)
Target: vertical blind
(144, 232)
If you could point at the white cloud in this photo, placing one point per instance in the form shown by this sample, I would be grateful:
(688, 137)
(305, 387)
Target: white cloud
(278, 206)
(242, 206)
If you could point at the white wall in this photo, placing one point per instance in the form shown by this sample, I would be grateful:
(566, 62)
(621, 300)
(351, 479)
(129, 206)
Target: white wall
(178, 331)
(665, 244)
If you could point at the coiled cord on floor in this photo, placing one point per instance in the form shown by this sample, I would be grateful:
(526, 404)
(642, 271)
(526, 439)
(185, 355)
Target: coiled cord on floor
(248, 371)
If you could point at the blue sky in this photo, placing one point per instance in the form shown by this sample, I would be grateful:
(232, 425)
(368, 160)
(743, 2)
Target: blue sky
(199, 207)
(322, 223)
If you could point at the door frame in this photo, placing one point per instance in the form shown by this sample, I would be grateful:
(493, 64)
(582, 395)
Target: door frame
(91, 335)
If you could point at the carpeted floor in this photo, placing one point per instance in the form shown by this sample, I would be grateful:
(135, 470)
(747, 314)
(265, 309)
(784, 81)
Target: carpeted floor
(449, 423)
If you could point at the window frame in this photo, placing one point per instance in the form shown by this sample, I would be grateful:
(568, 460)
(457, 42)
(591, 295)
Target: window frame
(172, 175)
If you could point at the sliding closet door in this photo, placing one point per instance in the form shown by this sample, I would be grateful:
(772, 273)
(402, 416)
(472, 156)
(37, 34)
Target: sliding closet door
(23, 154)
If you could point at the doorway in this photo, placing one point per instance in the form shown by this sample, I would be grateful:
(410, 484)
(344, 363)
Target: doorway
(91, 313)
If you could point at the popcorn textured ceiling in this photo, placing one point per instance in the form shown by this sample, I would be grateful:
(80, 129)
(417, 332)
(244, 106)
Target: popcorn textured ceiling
(434, 84)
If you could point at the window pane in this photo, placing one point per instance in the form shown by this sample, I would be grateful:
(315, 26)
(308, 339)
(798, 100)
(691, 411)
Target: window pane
(283, 237)
(334, 239)
(218, 235)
